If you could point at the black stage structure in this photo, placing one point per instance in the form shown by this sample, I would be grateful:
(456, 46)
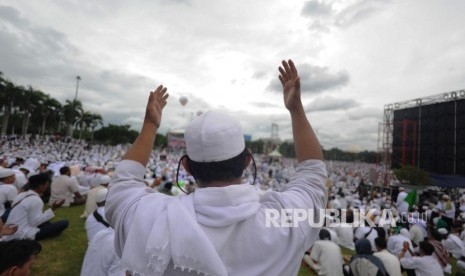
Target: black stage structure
(427, 132)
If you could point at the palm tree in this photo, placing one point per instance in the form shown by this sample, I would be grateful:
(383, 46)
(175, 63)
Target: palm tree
(88, 120)
(83, 122)
(72, 110)
(96, 121)
(47, 107)
(9, 94)
(31, 100)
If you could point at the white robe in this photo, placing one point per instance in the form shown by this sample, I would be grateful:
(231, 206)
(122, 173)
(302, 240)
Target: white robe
(217, 231)
(101, 258)
(27, 215)
(93, 226)
(329, 258)
(8, 193)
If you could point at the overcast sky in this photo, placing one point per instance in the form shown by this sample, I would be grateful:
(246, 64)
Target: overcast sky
(353, 57)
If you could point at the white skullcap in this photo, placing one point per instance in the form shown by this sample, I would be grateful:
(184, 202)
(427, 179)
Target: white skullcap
(214, 136)
(32, 164)
(21, 180)
(104, 179)
(6, 172)
(442, 231)
(101, 195)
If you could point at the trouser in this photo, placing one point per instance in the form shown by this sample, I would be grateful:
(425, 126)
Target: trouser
(51, 229)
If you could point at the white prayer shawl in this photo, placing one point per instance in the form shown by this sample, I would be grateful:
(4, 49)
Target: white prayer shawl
(213, 231)
(167, 238)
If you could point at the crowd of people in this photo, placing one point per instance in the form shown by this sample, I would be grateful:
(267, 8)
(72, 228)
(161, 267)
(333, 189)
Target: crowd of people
(435, 218)
(138, 219)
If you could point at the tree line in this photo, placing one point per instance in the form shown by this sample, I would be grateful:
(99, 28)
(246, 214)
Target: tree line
(26, 110)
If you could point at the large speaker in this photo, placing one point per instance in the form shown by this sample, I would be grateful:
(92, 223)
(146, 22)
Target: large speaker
(433, 136)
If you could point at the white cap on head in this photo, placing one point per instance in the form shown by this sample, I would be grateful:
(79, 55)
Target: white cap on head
(21, 180)
(214, 136)
(6, 172)
(32, 164)
(442, 231)
(104, 179)
(101, 195)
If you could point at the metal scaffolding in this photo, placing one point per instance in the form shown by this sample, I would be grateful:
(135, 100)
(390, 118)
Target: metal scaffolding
(387, 125)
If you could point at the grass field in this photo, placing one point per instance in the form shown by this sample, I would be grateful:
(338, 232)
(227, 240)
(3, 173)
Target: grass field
(63, 255)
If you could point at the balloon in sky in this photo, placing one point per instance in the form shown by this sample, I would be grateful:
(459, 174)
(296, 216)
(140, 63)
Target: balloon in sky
(183, 100)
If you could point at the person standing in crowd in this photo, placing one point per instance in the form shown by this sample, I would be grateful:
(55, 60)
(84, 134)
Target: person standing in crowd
(8, 191)
(18, 256)
(447, 209)
(66, 188)
(27, 213)
(402, 205)
(219, 228)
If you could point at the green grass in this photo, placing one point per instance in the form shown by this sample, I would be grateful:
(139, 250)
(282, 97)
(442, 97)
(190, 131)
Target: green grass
(63, 255)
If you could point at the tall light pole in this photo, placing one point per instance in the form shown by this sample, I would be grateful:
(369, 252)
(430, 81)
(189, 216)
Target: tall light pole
(78, 78)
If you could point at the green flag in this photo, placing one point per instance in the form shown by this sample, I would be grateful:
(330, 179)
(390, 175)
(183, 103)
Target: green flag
(411, 198)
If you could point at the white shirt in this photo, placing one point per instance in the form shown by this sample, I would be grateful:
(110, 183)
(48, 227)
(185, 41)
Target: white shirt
(418, 233)
(360, 233)
(390, 262)
(329, 258)
(8, 192)
(101, 258)
(230, 221)
(424, 266)
(63, 187)
(27, 215)
(454, 245)
(93, 226)
(345, 235)
(395, 244)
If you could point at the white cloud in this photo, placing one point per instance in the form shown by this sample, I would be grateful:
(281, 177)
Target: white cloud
(353, 56)
(329, 103)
